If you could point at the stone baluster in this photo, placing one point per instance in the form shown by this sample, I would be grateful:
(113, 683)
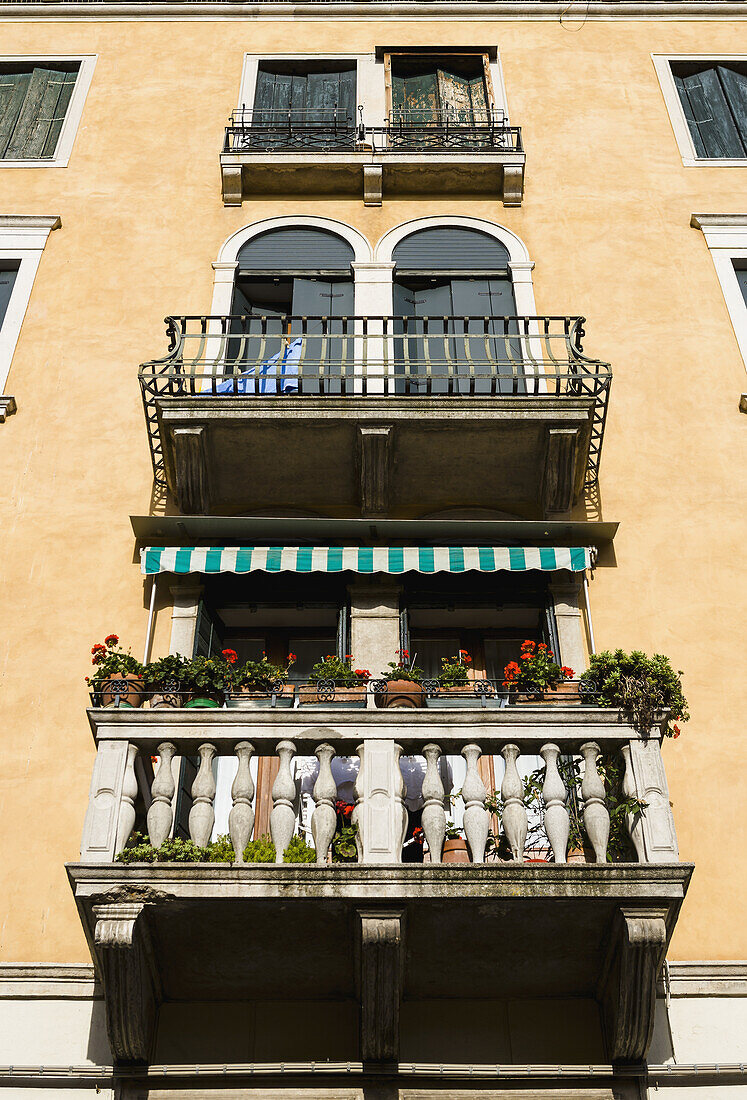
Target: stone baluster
(476, 817)
(515, 821)
(324, 817)
(126, 816)
(160, 814)
(633, 822)
(283, 816)
(202, 814)
(554, 794)
(596, 814)
(434, 815)
(241, 817)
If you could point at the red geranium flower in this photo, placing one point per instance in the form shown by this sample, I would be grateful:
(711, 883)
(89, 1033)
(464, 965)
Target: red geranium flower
(291, 658)
(542, 646)
(363, 673)
(230, 655)
(566, 671)
(677, 730)
(527, 645)
(111, 640)
(526, 657)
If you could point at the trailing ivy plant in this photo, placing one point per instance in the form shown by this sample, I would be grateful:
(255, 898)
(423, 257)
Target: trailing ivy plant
(640, 686)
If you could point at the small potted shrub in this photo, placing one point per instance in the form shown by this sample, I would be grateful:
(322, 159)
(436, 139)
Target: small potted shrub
(118, 678)
(334, 682)
(536, 677)
(403, 684)
(207, 679)
(164, 681)
(640, 686)
(262, 684)
(455, 848)
(454, 688)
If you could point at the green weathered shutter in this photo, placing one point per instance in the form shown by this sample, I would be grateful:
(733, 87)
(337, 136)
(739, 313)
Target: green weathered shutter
(709, 116)
(37, 124)
(735, 89)
(416, 98)
(7, 281)
(208, 638)
(13, 87)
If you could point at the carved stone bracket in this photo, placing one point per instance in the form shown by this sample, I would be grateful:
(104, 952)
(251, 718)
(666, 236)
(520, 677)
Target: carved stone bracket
(560, 455)
(374, 446)
(627, 990)
(190, 461)
(381, 972)
(232, 184)
(372, 184)
(513, 185)
(131, 986)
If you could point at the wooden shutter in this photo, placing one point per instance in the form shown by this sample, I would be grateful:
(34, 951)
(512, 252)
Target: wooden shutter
(735, 88)
(741, 274)
(415, 98)
(7, 281)
(709, 116)
(31, 116)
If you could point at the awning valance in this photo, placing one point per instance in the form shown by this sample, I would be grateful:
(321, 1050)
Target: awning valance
(362, 559)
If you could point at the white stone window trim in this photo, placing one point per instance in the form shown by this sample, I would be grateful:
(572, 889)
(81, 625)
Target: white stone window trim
(74, 111)
(22, 239)
(369, 81)
(663, 67)
(726, 237)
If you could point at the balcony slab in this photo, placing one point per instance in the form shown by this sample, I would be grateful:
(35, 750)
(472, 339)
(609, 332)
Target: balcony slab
(527, 455)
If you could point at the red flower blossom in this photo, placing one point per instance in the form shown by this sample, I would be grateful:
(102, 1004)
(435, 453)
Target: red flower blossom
(230, 655)
(526, 657)
(362, 673)
(677, 730)
(348, 656)
(404, 652)
(344, 809)
(527, 645)
(567, 672)
(291, 658)
(541, 646)
(111, 640)
(418, 835)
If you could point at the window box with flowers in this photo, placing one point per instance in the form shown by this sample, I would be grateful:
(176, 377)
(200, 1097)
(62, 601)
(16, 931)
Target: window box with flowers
(455, 688)
(333, 682)
(118, 679)
(260, 684)
(537, 678)
(401, 686)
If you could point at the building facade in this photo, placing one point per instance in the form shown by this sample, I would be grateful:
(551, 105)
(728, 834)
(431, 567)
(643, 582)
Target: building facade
(402, 250)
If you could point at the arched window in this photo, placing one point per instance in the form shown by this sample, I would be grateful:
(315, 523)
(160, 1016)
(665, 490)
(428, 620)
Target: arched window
(455, 301)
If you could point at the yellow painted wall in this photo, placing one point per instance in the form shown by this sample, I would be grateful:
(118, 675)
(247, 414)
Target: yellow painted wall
(606, 218)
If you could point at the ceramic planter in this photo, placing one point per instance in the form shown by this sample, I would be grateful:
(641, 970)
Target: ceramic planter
(165, 696)
(128, 687)
(455, 851)
(263, 700)
(401, 693)
(205, 699)
(347, 697)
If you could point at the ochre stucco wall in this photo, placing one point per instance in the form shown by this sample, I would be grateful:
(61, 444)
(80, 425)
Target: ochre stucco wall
(606, 218)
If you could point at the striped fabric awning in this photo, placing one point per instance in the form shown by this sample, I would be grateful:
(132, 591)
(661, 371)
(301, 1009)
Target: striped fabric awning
(362, 559)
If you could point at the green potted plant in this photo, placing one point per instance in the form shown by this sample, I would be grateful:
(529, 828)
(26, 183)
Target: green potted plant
(163, 680)
(455, 688)
(455, 848)
(641, 687)
(344, 847)
(207, 679)
(261, 683)
(537, 677)
(334, 682)
(403, 683)
(118, 679)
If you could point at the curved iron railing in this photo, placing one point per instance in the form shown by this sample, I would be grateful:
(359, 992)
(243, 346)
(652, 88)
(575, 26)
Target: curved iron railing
(295, 357)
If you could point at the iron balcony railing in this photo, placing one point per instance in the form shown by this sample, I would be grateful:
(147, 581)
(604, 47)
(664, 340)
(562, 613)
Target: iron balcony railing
(335, 129)
(256, 357)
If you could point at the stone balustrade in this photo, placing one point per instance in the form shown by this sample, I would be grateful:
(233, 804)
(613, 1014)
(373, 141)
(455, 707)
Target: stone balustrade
(128, 741)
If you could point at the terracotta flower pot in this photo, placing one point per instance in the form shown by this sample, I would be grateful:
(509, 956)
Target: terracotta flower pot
(401, 693)
(128, 687)
(165, 696)
(455, 851)
(558, 696)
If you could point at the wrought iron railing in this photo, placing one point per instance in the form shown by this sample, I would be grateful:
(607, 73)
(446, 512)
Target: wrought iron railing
(358, 357)
(335, 129)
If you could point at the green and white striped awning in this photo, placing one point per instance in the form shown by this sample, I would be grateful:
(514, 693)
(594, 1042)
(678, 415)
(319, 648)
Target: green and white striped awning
(362, 559)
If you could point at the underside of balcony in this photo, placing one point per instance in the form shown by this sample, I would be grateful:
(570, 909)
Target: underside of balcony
(378, 937)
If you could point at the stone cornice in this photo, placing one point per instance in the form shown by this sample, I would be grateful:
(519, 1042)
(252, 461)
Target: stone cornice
(577, 13)
(30, 221)
(718, 221)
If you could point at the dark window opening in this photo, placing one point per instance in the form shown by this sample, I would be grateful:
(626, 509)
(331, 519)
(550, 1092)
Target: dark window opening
(33, 104)
(714, 100)
(8, 274)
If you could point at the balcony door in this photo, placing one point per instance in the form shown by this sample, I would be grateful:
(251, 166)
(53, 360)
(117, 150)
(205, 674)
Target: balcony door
(454, 309)
(297, 108)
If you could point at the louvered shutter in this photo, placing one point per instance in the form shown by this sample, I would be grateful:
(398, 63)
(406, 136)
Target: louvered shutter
(31, 117)
(7, 282)
(709, 116)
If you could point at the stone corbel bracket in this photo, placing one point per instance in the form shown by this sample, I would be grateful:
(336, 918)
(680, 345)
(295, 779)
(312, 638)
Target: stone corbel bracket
(132, 988)
(513, 184)
(627, 990)
(380, 980)
(374, 464)
(190, 462)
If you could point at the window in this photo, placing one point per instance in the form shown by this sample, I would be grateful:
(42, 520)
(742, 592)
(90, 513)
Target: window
(707, 102)
(41, 102)
(726, 237)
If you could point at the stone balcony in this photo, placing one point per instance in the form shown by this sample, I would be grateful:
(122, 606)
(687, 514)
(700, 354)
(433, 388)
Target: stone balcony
(505, 409)
(378, 933)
